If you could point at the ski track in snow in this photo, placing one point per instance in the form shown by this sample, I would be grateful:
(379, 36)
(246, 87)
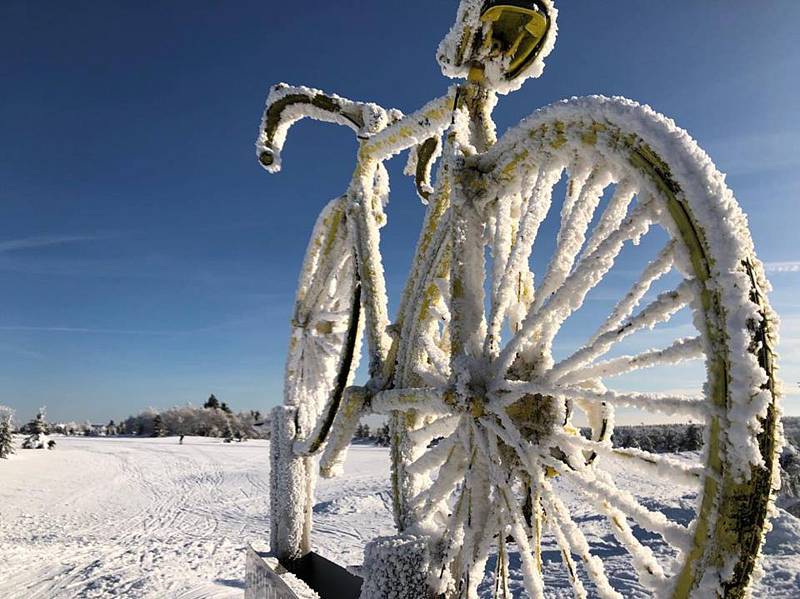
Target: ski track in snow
(125, 517)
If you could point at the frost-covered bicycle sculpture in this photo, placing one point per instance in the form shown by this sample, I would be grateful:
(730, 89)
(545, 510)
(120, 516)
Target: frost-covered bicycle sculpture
(483, 405)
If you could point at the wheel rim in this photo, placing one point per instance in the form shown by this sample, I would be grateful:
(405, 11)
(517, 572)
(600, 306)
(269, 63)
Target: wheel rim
(322, 321)
(492, 438)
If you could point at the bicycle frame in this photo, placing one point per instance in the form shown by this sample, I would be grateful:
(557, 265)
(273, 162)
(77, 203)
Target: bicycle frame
(396, 133)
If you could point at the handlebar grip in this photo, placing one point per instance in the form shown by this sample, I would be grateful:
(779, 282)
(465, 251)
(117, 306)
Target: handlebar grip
(287, 104)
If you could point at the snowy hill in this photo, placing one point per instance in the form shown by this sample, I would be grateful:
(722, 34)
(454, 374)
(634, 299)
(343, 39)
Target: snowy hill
(118, 517)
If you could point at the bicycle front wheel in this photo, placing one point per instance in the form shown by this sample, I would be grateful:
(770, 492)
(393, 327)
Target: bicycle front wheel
(491, 463)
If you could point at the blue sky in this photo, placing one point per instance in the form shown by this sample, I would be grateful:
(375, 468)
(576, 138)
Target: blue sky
(147, 260)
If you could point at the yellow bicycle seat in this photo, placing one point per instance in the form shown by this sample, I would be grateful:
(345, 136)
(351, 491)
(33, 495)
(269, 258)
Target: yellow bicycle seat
(517, 31)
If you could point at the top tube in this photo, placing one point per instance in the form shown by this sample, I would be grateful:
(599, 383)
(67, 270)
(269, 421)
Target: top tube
(429, 121)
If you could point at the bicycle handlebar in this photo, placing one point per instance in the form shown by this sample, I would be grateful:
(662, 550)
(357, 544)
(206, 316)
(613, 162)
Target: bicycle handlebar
(386, 132)
(288, 104)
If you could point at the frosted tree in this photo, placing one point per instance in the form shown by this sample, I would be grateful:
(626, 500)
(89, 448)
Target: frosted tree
(383, 436)
(693, 439)
(158, 427)
(228, 434)
(6, 440)
(38, 425)
(669, 441)
(362, 432)
(37, 428)
(212, 402)
(789, 495)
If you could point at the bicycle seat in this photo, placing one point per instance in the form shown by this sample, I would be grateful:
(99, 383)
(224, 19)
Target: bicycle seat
(517, 31)
(499, 43)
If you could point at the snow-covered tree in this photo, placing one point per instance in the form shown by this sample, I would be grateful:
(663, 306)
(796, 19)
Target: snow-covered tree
(646, 443)
(383, 436)
(362, 432)
(622, 439)
(228, 434)
(37, 429)
(693, 439)
(158, 427)
(789, 494)
(669, 440)
(38, 425)
(6, 440)
(193, 420)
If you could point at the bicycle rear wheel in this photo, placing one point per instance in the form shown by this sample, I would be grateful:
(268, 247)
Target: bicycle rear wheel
(325, 334)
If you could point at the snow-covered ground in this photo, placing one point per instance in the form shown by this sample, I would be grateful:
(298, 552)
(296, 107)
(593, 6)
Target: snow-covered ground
(151, 518)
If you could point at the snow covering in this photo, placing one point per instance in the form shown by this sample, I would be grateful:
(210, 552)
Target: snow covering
(291, 488)
(395, 567)
(6, 426)
(301, 102)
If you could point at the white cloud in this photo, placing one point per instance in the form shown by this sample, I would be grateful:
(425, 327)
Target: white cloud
(41, 241)
(792, 266)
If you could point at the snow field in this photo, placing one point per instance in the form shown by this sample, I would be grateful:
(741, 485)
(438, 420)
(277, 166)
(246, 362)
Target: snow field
(127, 517)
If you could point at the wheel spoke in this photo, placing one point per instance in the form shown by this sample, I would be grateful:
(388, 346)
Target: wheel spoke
(680, 351)
(429, 376)
(605, 490)
(475, 546)
(579, 173)
(558, 511)
(658, 311)
(613, 215)
(656, 269)
(425, 400)
(649, 571)
(566, 553)
(531, 556)
(321, 285)
(575, 219)
(671, 405)
(450, 474)
(433, 458)
(571, 294)
(577, 541)
(506, 227)
(647, 463)
(532, 576)
(441, 427)
(537, 209)
(613, 502)
(437, 357)
(453, 535)
(502, 571)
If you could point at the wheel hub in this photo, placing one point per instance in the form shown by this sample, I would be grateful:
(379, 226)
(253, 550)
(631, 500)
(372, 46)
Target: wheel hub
(536, 417)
